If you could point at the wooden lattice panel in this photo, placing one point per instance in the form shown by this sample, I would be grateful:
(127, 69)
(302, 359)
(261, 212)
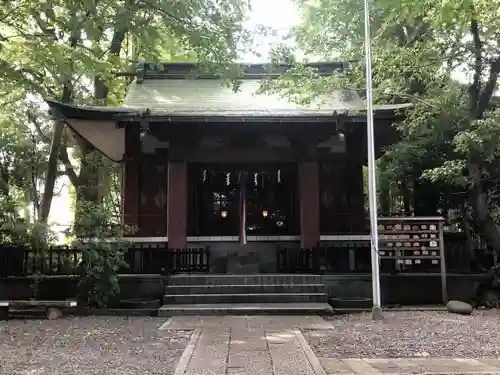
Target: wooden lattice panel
(411, 241)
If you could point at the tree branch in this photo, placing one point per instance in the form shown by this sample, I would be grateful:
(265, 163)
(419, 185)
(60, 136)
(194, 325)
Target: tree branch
(70, 170)
(165, 13)
(32, 118)
(63, 152)
(10, 13)
(33, 78)
(4, 185)
(101, 89)
(489, 88)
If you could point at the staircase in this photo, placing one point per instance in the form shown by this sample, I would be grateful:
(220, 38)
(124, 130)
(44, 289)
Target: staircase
(244, 294)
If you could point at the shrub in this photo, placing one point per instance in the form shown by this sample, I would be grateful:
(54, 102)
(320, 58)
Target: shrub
(103, 256)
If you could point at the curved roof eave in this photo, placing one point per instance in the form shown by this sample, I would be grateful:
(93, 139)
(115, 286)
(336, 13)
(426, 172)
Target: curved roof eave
(98, 124)
(88, 112)
(97, 113)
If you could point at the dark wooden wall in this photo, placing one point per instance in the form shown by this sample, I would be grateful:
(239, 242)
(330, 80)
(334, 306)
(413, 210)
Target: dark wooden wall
(341, 195)
(153, 198)
(145, 192)
(337, 180)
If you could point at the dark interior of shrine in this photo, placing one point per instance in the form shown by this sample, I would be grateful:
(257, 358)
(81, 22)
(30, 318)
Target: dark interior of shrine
(214, 200)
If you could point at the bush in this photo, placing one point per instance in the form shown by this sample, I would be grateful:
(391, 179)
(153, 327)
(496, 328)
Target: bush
(103, 256)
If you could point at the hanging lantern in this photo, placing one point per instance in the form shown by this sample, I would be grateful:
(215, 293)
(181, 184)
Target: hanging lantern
(265, 213)
(223, 213)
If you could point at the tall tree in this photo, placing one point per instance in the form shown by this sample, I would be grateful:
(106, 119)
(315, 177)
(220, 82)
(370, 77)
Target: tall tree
(451, 135)
(68, 50)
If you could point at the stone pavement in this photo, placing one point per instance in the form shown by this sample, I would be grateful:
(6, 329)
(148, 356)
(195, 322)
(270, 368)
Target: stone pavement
(378, 366)
(274, 345)
(252, 345)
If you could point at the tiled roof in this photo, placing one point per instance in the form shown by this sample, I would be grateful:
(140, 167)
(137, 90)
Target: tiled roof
(208, 97)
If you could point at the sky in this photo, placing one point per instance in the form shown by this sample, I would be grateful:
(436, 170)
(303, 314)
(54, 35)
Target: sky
(280, 15)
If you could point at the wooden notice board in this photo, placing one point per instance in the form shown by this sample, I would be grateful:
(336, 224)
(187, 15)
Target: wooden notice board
(414, 242)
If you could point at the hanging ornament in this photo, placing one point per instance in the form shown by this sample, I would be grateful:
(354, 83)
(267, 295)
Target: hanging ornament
(255, 179)
(278, 177)
(228, 178)
(204, 175)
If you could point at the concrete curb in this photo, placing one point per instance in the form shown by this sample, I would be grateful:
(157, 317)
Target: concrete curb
(313, 360)
(390, 309)
(183, 363)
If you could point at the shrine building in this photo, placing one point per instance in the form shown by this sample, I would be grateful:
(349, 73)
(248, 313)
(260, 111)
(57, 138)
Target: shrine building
(205, 165)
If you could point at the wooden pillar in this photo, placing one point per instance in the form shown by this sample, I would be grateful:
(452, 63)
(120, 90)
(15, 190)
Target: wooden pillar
(309, 204)
(131, 177)
(177, 204)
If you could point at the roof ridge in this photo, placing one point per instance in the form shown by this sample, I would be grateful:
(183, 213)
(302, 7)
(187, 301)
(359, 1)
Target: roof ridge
(184, 70)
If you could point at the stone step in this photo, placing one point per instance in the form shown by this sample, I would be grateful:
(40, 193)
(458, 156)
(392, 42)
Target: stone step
(244, 279)
(245, 309)
(245, 298)
(243, 289)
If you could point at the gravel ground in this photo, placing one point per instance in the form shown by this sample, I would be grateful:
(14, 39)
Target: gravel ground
(409, 334)
(89, 346)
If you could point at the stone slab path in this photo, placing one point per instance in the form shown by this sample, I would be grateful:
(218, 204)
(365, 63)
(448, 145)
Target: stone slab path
(252, 345)
(274, 345)
(441, 366)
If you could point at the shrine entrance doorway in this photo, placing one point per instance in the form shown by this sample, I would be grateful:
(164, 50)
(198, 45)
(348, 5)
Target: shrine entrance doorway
(242, 200)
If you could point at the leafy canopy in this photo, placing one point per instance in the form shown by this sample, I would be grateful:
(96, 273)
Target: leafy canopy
(442, 56)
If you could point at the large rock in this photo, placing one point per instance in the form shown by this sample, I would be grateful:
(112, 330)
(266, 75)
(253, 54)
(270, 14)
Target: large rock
(53, 313)
(459, 307)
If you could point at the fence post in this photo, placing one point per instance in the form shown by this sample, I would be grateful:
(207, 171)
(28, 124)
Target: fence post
(443, 262)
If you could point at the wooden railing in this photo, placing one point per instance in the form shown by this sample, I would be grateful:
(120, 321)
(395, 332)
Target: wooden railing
(342, 257)
(21, 261)
(354, 257)
(298, 260)
(189, 260)
(139, 259)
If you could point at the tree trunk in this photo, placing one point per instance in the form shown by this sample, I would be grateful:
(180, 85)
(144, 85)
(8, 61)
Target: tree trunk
(66, 96)
(468, 256)
(88, 180)
(385, 203)
(480, 95)
(489, 228)
(91, 161)
(405, 190)
(50, 180)
(4, 181)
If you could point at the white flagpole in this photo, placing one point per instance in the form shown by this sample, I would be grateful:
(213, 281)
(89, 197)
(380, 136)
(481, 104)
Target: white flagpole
(372, 194)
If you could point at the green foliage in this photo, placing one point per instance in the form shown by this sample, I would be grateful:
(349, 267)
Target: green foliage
(40, 237)
(419, 50)
(67, 42)
(102, 258)
(22, 157)
(13, 229)
(69, 51)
